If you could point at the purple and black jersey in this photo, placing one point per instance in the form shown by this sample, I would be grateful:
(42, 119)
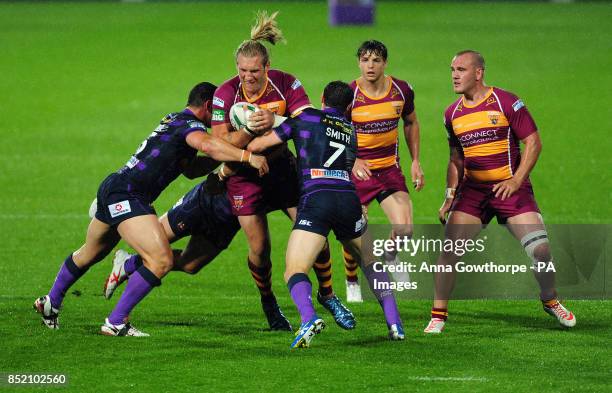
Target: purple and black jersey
(326, 146)
(161, 157)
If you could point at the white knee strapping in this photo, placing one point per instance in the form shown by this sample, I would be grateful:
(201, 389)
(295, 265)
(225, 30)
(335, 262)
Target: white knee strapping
(533, 239)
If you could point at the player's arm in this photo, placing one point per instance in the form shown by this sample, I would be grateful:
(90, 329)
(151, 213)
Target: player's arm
(454, 174)
(199, 166)
(263, 142)
(413, 140)
(221, 150)
(351, 152)
(260, 121)
(529, 157)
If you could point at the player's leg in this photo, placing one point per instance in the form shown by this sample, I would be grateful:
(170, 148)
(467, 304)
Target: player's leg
(529, 229)
(100, 240)
(398, 209)
(460, 225)
(377, 280)
(325, 294)
(353, 289)
(125, 264)
(255, 227)
(322, 265)
(146, 236)
(367, 191)
(302, 250)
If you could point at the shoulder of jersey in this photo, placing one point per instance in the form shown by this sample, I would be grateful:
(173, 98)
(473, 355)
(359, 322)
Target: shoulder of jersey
(451, 108)
(231, 84)
(402, 84)
(278, 73)
(505, 94)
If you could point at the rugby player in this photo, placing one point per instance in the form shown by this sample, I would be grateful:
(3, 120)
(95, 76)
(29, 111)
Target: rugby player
(379, 102)
(124, 209)
(250, 196)
(208, 220)
(326, 143)
(488, 176)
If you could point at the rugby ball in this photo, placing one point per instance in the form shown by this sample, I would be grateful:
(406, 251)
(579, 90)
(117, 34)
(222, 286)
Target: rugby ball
(240, 113)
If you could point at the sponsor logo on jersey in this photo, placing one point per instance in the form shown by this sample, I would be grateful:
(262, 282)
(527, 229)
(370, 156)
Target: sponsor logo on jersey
(305, 223)
(518, 104)
(238, 202)
(394, 92)
(196, 124)
(218, 102)
(491, 100)
(459, 107)
(273, 107)
(119, 208)
(218, 115)
(296, 83)
(329, 174)
(360, 98)
(398, 107)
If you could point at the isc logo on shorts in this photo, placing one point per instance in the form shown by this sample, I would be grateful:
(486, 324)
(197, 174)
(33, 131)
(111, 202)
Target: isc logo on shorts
(359, 224)
(119, 208)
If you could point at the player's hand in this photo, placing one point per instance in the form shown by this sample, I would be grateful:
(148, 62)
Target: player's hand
(361, 169)
(418, 177)
(259, 162)
(444, 209)
(364, 211)
(506, 188)
(214, 184)
(226, 171)
(261, 121)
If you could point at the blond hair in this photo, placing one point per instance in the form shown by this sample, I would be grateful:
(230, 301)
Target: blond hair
(265, 29)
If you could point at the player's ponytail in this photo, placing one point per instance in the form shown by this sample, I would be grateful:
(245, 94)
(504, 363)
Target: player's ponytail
(265, 29)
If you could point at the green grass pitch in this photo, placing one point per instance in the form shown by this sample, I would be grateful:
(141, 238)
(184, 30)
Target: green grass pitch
(83, 83)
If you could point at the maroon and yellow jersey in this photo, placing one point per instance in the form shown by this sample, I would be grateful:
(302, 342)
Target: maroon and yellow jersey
(283, 94)
(488, 133)
(376, 121)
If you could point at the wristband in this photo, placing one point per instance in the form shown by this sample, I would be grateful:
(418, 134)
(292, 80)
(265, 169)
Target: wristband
(242, 156)
(223, 175)
(450, 193)
(250, 155)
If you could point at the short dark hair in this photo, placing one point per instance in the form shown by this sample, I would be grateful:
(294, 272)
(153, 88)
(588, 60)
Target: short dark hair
(337, 95)
(201, 93)
(478, 59)
(372, 46)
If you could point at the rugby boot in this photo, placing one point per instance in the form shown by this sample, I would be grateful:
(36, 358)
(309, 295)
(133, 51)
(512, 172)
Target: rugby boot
(565, 317)
(274, 315)
(126, 329)
(49, 314)
(307, 331)
(342, 315)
